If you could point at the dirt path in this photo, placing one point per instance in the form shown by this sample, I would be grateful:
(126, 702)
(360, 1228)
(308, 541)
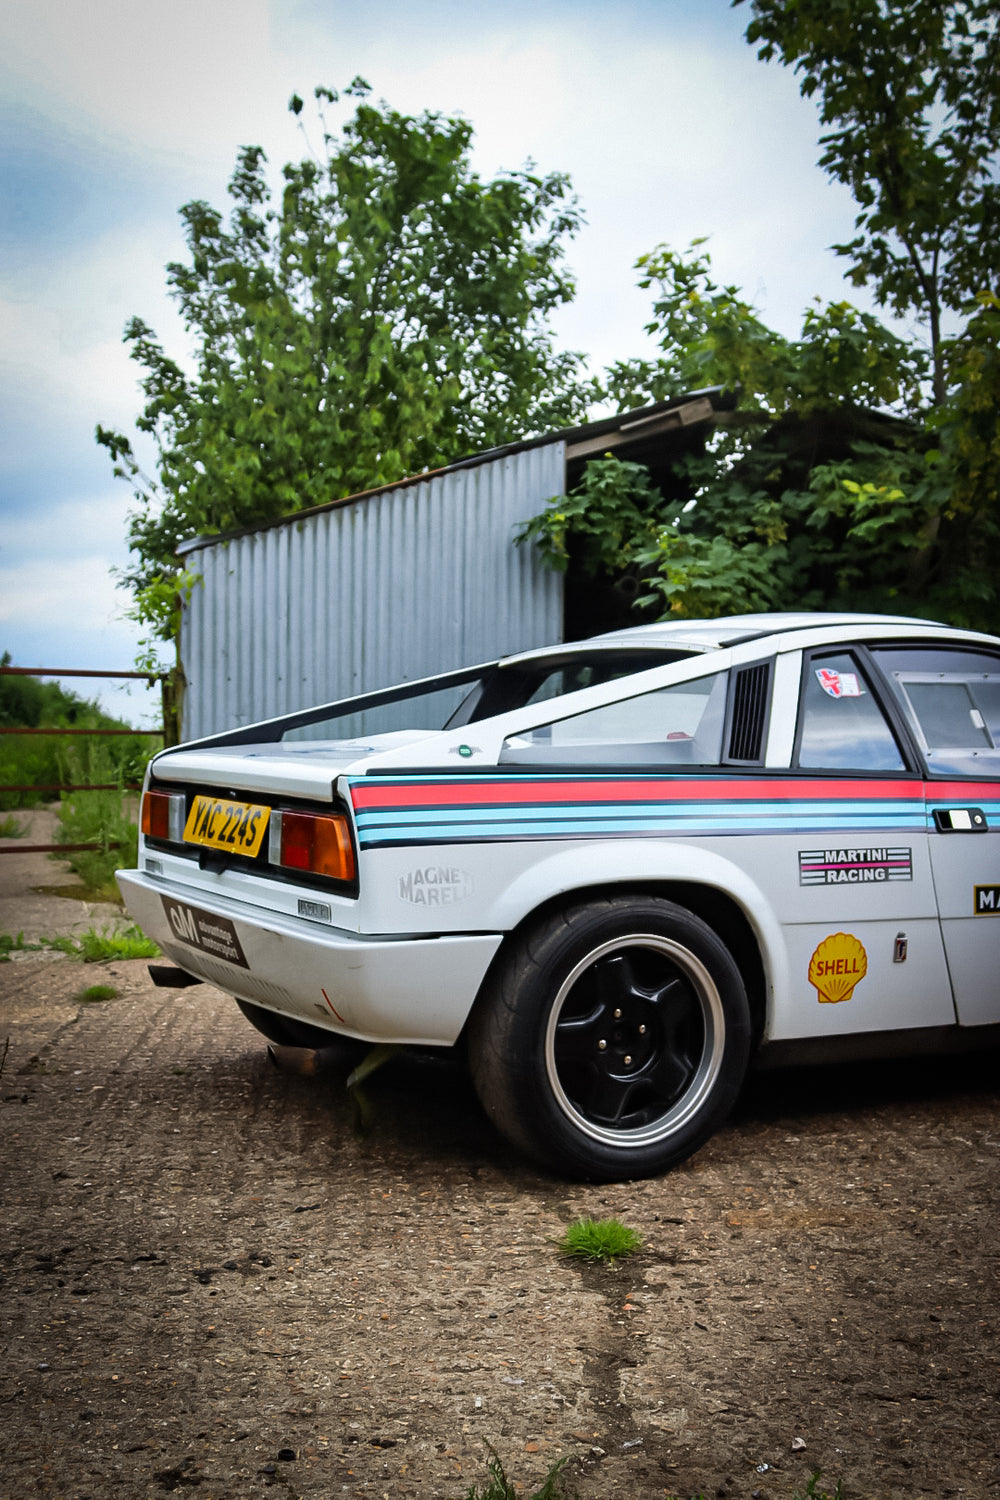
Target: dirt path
(214, 1285)
(24, 908)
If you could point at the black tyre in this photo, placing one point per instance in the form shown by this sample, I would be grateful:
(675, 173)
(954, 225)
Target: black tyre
(613, 1040)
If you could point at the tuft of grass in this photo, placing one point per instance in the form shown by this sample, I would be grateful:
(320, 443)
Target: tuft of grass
(812, 1493)
(94, 994)
(93, 946)
(600, 1240)
(9, 943)
(10, 828)
(499, 1487)
(125, 942)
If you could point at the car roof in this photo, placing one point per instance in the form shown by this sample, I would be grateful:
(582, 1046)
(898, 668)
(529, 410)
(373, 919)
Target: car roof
(693, 636)
(712, 634)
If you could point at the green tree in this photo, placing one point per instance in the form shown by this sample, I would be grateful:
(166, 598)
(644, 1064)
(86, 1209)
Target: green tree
(911, 92)
(859, 469)
(830, 485)
(387, 315)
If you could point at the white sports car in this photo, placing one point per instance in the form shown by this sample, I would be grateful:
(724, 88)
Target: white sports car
(615, 871)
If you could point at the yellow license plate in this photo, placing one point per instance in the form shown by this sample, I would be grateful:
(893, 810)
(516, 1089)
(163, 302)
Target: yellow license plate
(218, 823)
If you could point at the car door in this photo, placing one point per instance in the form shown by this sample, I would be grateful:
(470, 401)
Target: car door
(854, 892)
(951, 698)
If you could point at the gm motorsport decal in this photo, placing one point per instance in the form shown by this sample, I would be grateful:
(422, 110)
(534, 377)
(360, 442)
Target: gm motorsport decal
(205, 930)
(837, 967)
(854, 866)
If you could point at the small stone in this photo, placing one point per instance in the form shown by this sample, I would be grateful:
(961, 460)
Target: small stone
(798, 1443)
(286, 1455)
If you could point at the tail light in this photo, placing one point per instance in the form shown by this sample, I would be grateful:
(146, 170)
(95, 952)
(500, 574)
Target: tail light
(318, 843)
(163, 815)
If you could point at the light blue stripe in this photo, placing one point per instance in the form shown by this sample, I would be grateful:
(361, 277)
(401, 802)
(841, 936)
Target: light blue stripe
(509, 828)
(689, 813)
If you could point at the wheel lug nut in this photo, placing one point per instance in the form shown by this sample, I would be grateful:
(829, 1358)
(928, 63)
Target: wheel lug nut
(628, 1060)
(642, 1031)
(618, 1015)
(602, 1046)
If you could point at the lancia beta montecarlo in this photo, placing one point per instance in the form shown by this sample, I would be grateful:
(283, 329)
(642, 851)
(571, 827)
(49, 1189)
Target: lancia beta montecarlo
(614, 871)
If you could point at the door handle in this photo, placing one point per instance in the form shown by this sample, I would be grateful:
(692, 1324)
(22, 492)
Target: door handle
(960, 820)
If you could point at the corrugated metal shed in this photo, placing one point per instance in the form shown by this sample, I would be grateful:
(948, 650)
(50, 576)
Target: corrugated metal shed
(403, 582)
(396, 585)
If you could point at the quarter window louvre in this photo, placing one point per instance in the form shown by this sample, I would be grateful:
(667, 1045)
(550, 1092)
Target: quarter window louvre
(749, 718)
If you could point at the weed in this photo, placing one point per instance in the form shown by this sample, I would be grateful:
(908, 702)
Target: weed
(600, 1239)
(94, 994)
(812, 1493)
(500, 1487)
(93, 947)
(128, 942)
(10, 944)
(104, 818)
(10, 828)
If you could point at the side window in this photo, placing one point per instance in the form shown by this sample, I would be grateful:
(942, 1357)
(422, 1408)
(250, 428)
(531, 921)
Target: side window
(841, 727)
(677, 725)
(952, 698)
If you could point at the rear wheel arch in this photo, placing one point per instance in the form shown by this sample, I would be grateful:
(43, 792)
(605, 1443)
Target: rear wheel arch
(715, 907)
(612, 1034)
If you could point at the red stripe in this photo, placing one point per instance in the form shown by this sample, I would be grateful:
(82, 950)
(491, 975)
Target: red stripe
(463, 793)
(960, 791)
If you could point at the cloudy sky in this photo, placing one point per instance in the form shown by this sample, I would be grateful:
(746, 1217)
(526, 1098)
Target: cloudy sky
(113, 113)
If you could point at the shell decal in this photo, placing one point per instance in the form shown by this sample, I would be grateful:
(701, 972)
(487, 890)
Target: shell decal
(837, 967)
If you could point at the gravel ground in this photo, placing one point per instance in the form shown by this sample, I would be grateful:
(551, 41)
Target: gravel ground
(217, 1280)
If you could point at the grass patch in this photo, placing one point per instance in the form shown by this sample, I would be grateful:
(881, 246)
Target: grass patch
(11, 828)
(600, 1240)
(92, 946)
(96, 994)
(128, 942)
(499, 1487)
(106, 818)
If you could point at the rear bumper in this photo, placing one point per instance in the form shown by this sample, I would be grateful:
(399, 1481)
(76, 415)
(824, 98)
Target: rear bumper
(416, 990)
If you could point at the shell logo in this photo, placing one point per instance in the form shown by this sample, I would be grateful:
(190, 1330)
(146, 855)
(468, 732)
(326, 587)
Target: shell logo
(837, 967)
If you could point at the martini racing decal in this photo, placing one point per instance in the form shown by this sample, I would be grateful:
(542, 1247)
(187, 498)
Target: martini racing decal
(854, 866)
(428, 809)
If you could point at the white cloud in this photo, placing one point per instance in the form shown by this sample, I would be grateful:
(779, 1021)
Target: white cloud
(88, 529)
(42, 589)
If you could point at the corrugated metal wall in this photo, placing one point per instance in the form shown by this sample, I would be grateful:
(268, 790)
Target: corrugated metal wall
(401, 585)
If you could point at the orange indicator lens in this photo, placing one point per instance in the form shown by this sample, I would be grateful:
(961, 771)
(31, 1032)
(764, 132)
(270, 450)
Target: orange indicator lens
(156, 815)
(320, 844)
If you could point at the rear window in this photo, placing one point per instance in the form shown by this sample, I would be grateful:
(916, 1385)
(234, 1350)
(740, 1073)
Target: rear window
(674, 726)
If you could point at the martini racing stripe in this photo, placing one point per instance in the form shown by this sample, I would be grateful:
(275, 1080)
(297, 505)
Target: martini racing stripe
(419, 810)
